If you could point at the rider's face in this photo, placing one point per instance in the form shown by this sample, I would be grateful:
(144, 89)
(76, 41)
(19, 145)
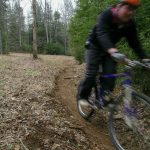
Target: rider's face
(125, 13)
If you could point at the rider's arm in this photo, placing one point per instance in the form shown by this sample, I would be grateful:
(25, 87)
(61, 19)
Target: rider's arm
(132, 38)
(103, 28)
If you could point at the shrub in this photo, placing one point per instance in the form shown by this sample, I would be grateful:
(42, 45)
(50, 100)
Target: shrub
(54, 49)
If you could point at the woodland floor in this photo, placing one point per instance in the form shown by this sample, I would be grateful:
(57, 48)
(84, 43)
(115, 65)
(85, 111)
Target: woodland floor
(38, 106)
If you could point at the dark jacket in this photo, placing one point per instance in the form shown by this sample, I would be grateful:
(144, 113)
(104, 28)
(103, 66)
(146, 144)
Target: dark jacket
(107, 32)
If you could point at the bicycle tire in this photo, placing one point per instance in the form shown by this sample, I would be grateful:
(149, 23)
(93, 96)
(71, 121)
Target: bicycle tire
(112, 131)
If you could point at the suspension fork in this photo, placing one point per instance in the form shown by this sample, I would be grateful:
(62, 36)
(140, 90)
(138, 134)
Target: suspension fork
(129, 112)
(127, 88)
(128, 96)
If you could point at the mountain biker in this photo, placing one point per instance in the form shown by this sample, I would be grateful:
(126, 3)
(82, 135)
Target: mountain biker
(113, 24)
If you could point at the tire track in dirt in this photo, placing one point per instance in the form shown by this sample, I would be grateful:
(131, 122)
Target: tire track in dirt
(66, 85)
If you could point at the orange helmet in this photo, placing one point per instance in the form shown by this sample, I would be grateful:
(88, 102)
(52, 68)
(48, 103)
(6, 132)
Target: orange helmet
(134, 3)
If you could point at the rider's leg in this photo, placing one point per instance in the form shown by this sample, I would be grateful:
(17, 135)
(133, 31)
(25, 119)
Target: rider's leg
(108, 84)
(92, 58)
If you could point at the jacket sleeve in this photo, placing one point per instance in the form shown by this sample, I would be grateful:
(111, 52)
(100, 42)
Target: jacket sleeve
(133, 41)
(103, 30)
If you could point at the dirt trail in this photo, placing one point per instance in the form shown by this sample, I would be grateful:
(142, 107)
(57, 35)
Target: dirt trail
(66, 85)
(38, 106)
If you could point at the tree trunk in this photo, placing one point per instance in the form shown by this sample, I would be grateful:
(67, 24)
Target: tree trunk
(46, 25)
(50, 21)
(6, 30)
(1, 46)
(20, 37)
(50, 33)
(66, 42)
(35, 55)
(67, 12)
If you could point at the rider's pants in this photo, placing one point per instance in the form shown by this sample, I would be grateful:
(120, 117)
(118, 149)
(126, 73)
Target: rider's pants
(94, 59)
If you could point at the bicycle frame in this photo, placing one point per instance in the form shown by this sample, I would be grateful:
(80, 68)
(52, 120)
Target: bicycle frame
(125, 107)
(130, 114)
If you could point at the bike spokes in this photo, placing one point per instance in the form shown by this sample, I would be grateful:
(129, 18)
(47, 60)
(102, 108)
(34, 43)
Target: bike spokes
(131, 131)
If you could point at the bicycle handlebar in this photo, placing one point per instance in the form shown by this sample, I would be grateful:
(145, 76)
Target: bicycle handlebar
(135, 63)
(122, 58)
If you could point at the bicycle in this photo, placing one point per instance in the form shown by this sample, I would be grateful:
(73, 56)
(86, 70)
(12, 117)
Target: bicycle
(129, 114)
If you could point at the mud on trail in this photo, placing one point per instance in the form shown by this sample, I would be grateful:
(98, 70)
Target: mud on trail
(38, 106)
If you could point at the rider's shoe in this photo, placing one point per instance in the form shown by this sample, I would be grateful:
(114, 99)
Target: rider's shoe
(87, 103)
(84, 102)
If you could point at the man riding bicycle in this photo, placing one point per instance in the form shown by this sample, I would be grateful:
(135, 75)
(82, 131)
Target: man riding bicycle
(113, 24)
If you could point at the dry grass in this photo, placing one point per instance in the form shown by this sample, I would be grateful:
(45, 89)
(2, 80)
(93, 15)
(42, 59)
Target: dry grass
(33, 113)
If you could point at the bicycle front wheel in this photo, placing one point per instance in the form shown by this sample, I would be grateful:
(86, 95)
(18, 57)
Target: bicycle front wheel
(130, 129)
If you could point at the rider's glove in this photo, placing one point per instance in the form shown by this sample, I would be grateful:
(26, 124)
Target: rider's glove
(118, 57)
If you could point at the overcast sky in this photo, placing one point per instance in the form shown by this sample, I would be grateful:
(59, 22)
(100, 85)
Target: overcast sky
(26, 4)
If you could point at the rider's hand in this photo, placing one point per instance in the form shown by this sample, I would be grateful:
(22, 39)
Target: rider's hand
(112, 50)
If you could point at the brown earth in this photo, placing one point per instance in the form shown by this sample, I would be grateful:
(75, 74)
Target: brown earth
(38, 106)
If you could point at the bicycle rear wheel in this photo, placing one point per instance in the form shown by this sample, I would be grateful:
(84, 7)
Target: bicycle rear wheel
(131, 132)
